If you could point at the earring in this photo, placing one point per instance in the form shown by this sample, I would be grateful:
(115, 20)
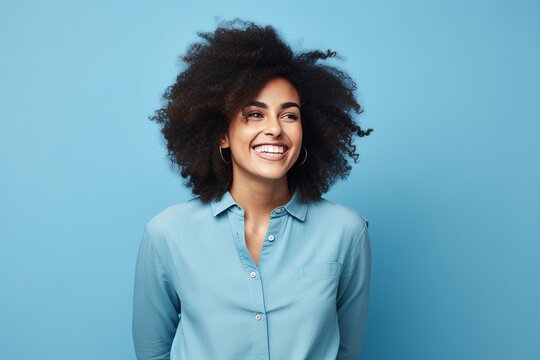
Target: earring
(305, 157)
(223, 157)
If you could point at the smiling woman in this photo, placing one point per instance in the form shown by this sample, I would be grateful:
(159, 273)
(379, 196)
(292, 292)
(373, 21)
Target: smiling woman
(257, 265)
(223, 74)
(265, 138)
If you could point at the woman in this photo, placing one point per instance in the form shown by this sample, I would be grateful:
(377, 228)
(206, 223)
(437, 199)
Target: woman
(257, 265)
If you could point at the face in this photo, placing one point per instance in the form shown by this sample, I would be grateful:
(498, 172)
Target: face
(273, 117)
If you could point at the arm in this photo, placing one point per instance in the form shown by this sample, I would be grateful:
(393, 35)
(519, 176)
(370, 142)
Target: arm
(155, 304)
(353, 297)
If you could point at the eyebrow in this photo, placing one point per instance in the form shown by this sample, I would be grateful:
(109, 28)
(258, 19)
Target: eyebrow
(263, 105)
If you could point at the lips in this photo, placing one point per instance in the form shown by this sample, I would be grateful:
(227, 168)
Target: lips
(271, 156)
(271, 144)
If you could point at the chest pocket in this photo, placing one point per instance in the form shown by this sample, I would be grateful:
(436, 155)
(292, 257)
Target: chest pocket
(316, 284)
(322, 269)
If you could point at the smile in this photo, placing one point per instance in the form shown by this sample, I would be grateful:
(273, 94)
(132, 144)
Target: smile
(272, 156)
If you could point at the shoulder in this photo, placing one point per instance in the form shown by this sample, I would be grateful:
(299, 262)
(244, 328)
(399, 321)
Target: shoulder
(179, 216)
(336, 214)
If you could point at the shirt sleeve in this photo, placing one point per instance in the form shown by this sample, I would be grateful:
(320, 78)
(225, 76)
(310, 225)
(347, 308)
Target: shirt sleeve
(156, 307)
(353, 297)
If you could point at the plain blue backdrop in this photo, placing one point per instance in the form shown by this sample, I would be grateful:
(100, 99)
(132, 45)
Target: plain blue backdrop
(448, 179)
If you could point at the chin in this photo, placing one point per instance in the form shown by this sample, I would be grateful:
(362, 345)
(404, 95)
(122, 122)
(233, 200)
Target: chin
(271, 175)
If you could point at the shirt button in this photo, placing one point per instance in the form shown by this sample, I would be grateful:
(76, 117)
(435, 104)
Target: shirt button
(253, 274)
(278, 211)
(258, 317)
(271, 237)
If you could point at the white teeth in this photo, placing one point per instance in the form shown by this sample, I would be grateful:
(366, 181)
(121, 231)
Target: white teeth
(270, 149)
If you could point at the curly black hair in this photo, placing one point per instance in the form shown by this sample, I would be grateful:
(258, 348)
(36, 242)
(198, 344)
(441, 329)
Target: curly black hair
(222, 73)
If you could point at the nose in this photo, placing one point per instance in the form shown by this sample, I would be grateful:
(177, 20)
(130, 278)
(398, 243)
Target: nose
(273, 126)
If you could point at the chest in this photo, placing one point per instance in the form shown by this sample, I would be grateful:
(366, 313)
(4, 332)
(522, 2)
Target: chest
(235, 264)
(254, 235)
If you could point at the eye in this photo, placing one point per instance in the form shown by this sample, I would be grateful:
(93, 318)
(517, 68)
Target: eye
(254, 115)
(292, 116)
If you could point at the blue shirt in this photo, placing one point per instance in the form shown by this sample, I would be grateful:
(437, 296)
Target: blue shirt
(200, 296)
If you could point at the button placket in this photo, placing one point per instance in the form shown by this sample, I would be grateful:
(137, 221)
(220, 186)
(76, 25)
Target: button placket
(259, 331)
(275, 227)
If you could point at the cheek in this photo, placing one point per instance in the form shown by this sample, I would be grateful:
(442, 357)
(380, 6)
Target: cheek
(240, 136)
(298, 136)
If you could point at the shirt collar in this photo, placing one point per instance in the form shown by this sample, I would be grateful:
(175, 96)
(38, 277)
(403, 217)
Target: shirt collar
(293, 207)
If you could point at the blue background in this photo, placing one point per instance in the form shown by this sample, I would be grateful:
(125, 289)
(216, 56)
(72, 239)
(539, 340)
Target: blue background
(448, 179)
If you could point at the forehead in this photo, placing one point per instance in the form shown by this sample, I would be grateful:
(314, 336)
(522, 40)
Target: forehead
(278, 88)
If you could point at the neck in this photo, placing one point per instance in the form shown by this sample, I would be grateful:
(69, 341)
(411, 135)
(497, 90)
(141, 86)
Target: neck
(259, 198)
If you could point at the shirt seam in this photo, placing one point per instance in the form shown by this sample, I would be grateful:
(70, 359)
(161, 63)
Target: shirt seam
(352, 246)
(161, 262)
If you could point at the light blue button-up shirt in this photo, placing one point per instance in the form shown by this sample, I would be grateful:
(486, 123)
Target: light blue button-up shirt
(200, 296)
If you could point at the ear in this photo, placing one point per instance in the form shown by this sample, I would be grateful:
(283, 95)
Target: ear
(224, 141)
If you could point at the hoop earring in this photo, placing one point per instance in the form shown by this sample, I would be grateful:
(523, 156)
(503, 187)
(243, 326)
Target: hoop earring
(305, 157)
(220, 153)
